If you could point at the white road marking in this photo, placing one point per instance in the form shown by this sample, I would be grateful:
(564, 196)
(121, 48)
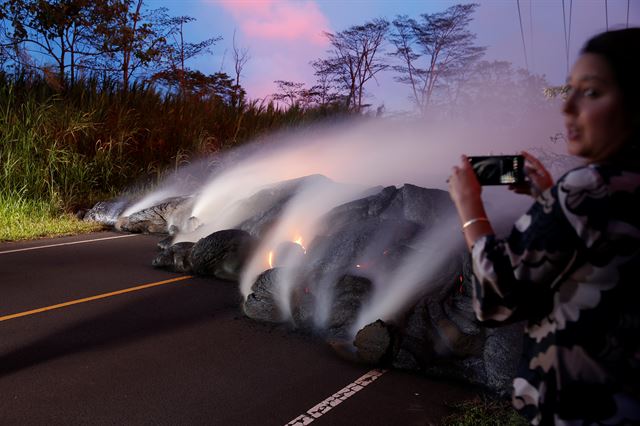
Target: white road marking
(337, 398)
(67, 244)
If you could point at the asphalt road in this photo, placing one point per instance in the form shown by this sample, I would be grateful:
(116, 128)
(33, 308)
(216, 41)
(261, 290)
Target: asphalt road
(179, 353)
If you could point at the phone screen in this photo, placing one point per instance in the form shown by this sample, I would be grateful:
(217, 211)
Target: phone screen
(498, 169)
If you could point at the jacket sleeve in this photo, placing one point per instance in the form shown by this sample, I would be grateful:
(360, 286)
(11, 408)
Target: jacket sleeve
(514, 277)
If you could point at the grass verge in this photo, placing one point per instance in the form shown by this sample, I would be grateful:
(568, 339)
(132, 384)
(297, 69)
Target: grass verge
(24, 219)
(484, 411)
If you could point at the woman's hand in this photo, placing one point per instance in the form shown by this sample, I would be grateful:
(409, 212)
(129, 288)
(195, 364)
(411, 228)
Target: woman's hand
(539, 177)
(464, 188)
(465, 191)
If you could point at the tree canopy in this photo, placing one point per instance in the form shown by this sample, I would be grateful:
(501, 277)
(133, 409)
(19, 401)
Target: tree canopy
(121, 40)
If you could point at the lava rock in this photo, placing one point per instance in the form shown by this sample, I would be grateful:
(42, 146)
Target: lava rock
(261, 303)
(501, 354)
(157, 219)
(263, 209)
(165, 243)
(367, 230)
(418, 346)
(288, 254)
(348, 296)
(425, 206)
(222, 254)
(441, 337)
(106, 212)
(374, 343)
(81, 213)
(303, 308)
(175, 258)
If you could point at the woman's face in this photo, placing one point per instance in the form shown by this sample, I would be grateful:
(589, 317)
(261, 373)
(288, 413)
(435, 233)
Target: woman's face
(595, 119)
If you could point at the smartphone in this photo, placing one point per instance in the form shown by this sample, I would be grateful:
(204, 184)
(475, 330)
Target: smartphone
(498, 169)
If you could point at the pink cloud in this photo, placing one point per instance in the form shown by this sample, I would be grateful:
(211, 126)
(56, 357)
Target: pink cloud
(280, 20)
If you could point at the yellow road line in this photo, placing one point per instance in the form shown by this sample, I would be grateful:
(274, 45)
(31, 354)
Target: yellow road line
(89, 299)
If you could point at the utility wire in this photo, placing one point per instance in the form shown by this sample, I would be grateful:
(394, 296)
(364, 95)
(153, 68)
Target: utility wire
(569, 33)
(533, 62)
(524, 47)
(606, 14)
(566, 41)
(628, 1)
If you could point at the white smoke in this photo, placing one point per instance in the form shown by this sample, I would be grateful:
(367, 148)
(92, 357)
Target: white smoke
(355, 155)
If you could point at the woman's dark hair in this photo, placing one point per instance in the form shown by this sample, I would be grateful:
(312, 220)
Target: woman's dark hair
(621, 50)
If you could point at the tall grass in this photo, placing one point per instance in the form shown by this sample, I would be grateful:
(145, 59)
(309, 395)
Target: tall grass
(24, 218)
(70, 149)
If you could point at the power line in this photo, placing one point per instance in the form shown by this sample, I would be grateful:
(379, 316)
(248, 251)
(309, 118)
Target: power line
(606, 14)
(569, 33)
(533, 62)
(524, 47)
(628, 1)
(566, 40)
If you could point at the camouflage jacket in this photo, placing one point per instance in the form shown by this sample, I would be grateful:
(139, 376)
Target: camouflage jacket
(571, 269)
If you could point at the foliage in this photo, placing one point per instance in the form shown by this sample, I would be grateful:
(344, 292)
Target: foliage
(23, 219)
(117, 38)
(494, 92)
(484, 411)
(295, 95)
(94, 140)
(354, 60)
(129, 39)
(61, 31)
(289, 92)
(436, 47)
(178, 51)
(218, 86)
(556, 91)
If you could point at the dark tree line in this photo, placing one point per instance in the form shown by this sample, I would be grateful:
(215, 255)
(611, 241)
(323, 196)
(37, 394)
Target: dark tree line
(118, 40)
(434, 56)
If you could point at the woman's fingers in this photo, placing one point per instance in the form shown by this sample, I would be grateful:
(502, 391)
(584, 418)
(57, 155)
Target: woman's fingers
(539, 176)
(465, 163)
(532, 163)
(531, 159)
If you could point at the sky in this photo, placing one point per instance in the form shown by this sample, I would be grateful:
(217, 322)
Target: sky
(283, 36)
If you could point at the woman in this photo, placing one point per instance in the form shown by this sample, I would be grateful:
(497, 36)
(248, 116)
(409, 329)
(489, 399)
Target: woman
(570, 266)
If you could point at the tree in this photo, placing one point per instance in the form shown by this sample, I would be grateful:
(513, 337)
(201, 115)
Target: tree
(129, 38)
(111, 37)
(218, 86)
(240, 59)
(354, 60)
(59, 30)
(436, 47)
(325, 92)
(177, 51)
(5, 44)
(289, 92)
(497, 93)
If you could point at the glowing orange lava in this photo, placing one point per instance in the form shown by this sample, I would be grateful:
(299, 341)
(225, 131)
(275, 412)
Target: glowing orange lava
(298, 240)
